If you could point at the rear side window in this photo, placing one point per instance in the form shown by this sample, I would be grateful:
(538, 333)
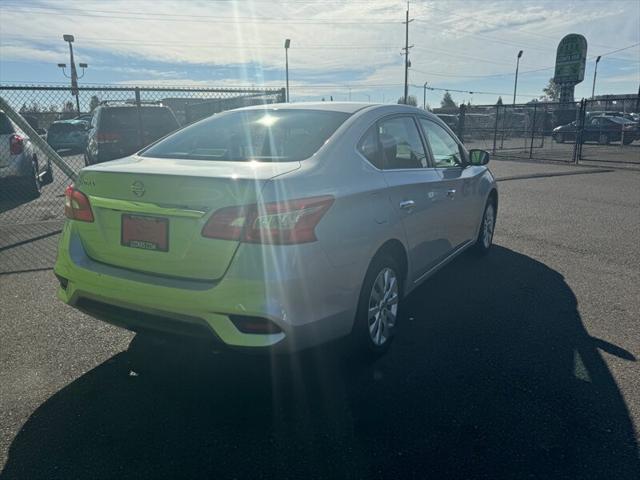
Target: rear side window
(265, 135)
(5, 125)
(401, 144)
(370, 148)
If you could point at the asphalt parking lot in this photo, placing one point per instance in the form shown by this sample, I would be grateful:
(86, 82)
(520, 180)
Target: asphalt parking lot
(523, 364)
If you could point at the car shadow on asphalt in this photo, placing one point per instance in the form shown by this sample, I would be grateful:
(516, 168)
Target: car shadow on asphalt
(493, 375)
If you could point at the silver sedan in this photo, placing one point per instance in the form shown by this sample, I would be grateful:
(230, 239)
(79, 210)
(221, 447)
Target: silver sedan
(276, 227)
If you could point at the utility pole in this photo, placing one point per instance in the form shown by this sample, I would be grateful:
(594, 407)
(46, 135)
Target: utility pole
(595, 73)
(287, 44)
(515, 85)
(424, 96)
(407, 63)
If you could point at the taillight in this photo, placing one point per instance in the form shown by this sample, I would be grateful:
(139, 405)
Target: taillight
(16, 144)
(289, 222)
(108, 137)
(76, 205)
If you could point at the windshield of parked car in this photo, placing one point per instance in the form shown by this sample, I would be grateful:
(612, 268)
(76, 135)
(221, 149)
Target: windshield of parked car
(268, 135)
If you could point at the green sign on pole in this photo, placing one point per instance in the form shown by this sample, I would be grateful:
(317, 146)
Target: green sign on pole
(571, 58)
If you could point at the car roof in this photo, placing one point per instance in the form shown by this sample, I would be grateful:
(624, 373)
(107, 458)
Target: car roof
(72, 121)
(345, 107)
(131, 105)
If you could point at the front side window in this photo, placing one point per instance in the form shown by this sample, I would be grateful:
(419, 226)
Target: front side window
(265, 135)
(400, 144)
(446, 151)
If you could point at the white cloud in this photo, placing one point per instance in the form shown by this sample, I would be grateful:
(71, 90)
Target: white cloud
(455, 42)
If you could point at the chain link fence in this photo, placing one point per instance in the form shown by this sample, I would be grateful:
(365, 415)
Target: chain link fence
(46, 136)
(598, 132)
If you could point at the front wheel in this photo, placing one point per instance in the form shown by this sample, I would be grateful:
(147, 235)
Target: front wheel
(487, 227)
(603, 139)
(377, 315)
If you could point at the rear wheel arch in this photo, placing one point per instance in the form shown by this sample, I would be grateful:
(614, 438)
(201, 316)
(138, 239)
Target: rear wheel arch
(396, 250)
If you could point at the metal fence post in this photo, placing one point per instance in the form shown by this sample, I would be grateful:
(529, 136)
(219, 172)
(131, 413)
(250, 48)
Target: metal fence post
(533, 129)
(461, 120)
(138, 102)
(495, 130)
(577, 148)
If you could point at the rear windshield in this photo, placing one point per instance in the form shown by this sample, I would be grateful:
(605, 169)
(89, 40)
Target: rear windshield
(267, 135)
(5, 125)
(66, 127)
(159, 121)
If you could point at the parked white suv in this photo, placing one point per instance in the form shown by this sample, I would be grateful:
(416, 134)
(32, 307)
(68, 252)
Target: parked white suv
(19, 162)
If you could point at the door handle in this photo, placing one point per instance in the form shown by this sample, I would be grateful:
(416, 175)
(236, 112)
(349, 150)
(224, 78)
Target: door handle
(408, 205)
(451, 193)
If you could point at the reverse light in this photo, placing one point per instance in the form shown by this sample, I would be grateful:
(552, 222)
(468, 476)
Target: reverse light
(16, 144)
(76, 205)
(281, 223)
(255, 325)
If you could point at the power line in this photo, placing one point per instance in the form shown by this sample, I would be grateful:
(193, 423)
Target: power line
(110, 41)
(178, 18)
(474, 92)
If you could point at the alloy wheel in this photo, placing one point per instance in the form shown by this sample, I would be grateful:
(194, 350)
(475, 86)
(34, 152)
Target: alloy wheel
(383, 306)
(488, 226)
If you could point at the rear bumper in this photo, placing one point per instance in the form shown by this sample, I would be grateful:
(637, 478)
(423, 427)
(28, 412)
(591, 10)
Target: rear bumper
(16, 167)
(311, 301)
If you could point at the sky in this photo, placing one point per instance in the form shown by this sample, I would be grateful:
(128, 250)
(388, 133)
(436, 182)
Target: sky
(351, 50)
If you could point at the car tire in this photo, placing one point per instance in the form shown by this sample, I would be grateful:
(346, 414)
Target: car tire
(627, 141)
(603, 139)
(487, 228)
(47, 178)
(32, 182)
(377, 316)
(560, 138)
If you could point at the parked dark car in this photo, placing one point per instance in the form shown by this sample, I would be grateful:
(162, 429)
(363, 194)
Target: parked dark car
(120, 130)
(68, 135)
(602, 129)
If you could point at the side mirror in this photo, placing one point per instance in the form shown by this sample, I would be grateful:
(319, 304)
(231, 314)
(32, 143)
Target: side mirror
(478, 157)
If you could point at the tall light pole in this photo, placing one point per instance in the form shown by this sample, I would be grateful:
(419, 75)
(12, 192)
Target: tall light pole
(424, 96)
(74, 73)
(515, 85)
(595, 73)
(287, 44)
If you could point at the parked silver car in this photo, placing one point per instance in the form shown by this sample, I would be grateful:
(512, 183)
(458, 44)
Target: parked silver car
(19, 162)
(276, 227)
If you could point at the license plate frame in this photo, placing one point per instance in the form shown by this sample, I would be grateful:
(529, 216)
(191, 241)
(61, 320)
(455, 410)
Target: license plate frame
(145, 232)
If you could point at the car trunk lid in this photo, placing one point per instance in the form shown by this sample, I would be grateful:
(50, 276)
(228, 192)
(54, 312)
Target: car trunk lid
(149, 213)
